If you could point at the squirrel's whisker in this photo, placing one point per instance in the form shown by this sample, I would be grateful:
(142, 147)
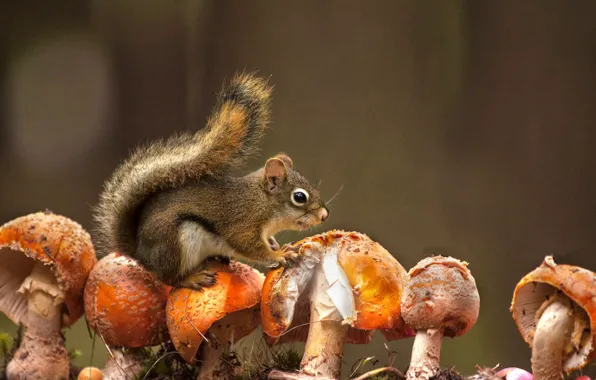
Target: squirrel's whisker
(335, 195)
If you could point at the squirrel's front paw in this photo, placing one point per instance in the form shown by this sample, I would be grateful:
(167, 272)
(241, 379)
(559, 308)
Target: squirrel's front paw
(200, 280)
(289, 259)
(306, 253)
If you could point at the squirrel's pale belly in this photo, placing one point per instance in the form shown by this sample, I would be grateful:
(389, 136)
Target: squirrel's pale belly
(197, 244)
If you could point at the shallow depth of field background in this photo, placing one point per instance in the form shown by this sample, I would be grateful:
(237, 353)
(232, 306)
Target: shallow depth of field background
(462, 128)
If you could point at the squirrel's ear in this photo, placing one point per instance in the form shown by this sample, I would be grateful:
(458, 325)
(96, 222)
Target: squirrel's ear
(286, 159)
(275, 173)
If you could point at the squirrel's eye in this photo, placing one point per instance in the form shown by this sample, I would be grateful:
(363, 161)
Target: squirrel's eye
(299, 197)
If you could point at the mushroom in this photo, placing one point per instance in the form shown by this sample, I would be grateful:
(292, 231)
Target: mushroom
(298, 330)
(514, 373)
(219, 314)
(554, 308)
(488, 373)
(440, 299)
(90, 373)
(45, 261)
(349, 281)
(126, 306)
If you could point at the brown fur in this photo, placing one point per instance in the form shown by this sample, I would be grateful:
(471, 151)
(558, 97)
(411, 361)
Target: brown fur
(184, 180)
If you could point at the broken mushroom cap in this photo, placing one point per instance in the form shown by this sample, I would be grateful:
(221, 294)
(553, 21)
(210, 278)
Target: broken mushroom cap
(349, 282)
(440, 299)
(54, 241)
(375, 281)
(229, 309)
(574, 287)
(297, 331)
(126, 304)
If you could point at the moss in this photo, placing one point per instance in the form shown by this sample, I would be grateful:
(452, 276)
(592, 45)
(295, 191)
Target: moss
(163, 362)
(285, 359)
(8, 347)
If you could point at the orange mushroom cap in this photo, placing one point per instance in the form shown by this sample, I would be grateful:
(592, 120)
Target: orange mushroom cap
(125, 303)
(441, 294)
(190, 313)
(90, 373)
(579, 285)
(55, 241)
(376, 279)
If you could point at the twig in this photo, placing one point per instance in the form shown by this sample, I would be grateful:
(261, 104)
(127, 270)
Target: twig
(374, 372)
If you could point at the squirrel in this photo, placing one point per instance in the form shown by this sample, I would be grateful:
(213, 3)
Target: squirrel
(173, 204)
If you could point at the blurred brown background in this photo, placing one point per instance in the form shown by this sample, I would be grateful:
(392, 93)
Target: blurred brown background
(456, 127)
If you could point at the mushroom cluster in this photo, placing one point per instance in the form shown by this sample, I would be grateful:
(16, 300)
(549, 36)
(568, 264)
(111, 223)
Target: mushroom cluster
(347, 285)
(341, 287)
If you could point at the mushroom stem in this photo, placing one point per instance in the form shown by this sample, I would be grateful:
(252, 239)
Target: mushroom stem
(123, 365)
(426, 355)
(42, 354)
(212, 365)
(549, 340)
(324, 348)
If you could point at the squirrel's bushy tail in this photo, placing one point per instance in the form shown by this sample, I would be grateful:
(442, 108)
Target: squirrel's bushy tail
(232, 133)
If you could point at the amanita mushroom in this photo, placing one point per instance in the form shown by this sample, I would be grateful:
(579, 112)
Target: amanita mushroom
(223, 313)
(45, 261)
(514, 373)
(90, 373)
(349, 281)
(554, 308)
(298, 331)
(126, 306)
(440, 299)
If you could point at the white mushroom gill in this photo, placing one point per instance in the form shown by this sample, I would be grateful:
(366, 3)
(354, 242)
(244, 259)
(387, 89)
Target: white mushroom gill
(330, 291)
(338, 286)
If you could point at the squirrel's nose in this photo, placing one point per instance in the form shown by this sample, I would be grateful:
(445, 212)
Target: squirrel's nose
(323, 213)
